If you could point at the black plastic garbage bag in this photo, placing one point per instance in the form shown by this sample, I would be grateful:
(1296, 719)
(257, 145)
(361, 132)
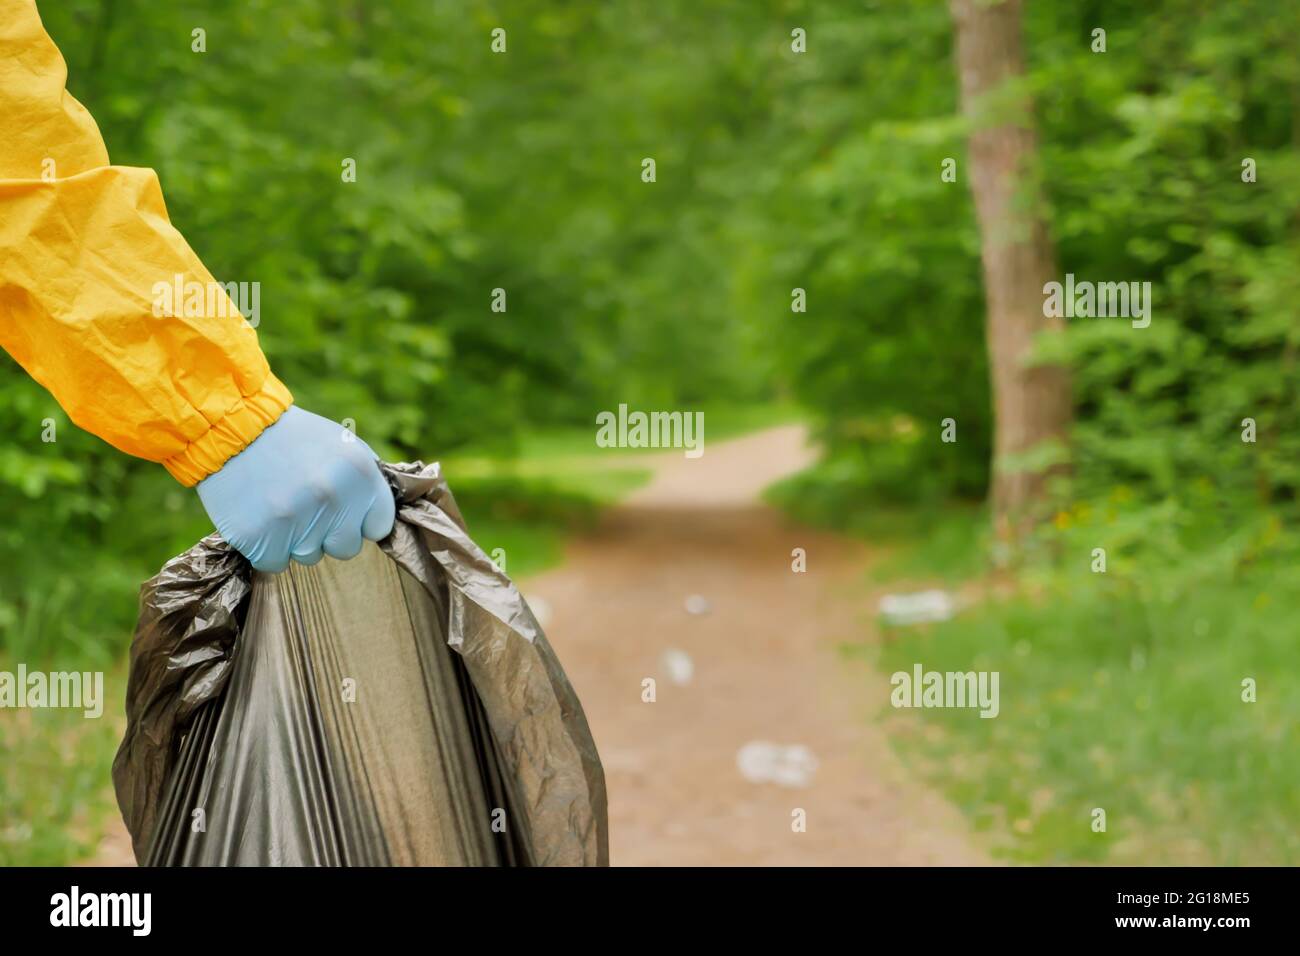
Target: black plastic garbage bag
(401, 708)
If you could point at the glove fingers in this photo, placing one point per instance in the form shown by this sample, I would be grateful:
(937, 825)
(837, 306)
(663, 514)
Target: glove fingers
(271, 552)
(344, 542)
(378, 523)
(308, 556)
(271, 563)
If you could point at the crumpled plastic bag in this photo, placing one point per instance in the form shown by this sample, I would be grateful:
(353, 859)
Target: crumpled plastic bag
(401, 708)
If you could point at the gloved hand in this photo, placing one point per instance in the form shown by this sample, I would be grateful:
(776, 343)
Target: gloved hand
(305, 487)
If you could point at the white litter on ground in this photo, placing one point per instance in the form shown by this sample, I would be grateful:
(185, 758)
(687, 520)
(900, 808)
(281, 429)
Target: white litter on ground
(678, 666)
(763, 762)
(698, 604)
(918, 608)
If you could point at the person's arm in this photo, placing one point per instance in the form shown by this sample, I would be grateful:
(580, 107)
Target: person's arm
(83, 246)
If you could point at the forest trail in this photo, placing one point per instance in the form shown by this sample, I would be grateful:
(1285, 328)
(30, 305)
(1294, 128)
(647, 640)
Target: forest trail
(765, 668)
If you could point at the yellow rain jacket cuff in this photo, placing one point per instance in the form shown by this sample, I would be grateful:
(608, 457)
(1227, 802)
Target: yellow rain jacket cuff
(232, 434)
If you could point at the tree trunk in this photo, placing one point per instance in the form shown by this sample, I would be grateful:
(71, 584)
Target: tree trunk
(1030, 405)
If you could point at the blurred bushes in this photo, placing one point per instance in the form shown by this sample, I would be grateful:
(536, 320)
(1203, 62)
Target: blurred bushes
(775, 171)
(1142, 152)
(475, 171)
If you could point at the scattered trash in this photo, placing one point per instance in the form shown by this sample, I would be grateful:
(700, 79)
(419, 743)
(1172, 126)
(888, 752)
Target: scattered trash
(698, 604)
(763, 762)
(918, 608)
(678, 666)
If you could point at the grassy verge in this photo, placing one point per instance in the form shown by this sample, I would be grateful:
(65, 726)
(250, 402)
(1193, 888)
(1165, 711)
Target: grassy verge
(944, 542)
(1123, 699)
(54, 773)
(529, 501)
(1119, 690)
(525, 521)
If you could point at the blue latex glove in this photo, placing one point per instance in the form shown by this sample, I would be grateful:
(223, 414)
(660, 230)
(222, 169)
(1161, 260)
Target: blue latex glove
(305, 487)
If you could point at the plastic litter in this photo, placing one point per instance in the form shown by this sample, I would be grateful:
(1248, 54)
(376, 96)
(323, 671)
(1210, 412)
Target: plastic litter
(763, 762)
(678, 666)
(919, 608)
(698, 604)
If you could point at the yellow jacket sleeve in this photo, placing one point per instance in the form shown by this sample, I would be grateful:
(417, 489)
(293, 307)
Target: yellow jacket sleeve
(86, 250)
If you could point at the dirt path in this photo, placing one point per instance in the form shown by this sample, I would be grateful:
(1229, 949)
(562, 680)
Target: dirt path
(765, 668)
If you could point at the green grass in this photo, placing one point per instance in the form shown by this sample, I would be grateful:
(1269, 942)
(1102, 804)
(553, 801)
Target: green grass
(1119, 690)
(1125, 696)
(528, 519)
(528, 503)
(945, 542)
(569, 458)
(720, 423)
(55, 793)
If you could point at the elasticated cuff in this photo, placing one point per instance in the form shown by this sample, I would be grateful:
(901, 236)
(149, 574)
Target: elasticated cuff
(228, 437)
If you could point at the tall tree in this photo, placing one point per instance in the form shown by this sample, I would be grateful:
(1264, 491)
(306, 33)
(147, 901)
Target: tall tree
(1031, 405)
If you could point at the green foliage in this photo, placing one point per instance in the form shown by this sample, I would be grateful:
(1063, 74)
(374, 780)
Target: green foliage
(1123, 690)
(474, 172)
(1144, 146)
